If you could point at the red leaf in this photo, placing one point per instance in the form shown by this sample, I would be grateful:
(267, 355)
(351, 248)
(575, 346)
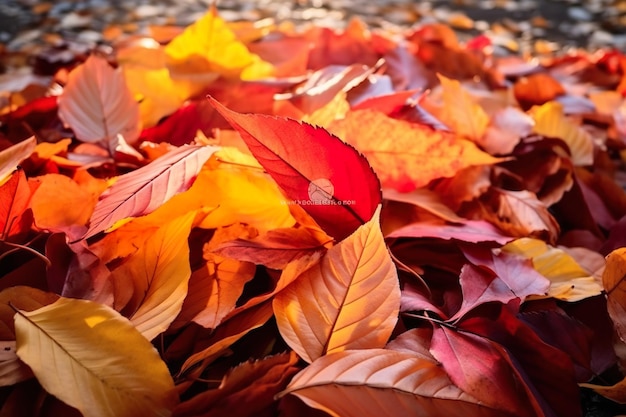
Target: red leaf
(142, 191)
(480, 368)
(14, 199)
(471, 231)
(314, 168)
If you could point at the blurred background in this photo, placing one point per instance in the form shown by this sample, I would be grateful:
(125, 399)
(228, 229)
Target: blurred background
(586, 23)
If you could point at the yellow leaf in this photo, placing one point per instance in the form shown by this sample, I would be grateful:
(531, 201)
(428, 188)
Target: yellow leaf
(157, 93)
(93, 359)
(569, 281)
(348, 300)
(244, 195)
(551, 121)
(151, 284)
(461, 112)
(210, 46)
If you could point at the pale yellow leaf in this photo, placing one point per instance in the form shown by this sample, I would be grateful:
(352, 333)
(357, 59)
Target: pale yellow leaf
(551, 121)
(93, 359)
(348, 300)
(379, 382)
(11, 157)
(97, 104)
(151, 284)
(569, 281)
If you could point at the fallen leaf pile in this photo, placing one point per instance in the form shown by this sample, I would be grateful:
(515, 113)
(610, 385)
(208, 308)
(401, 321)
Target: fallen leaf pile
(259, 220)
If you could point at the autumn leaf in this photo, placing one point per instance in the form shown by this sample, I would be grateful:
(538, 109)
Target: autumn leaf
(73, 347)
(97, 104)
(404, 155)
(210, 46)
(13, 155)
(551, 121)
(246, 390)
(152, 284)
(142, 191)
(378, 382)
(461, 112)
(60, 204)
(301, 159)
(275, 249)
(615, 287)
(15, 196)
(569, 280)
(349, 300)
(469, 231)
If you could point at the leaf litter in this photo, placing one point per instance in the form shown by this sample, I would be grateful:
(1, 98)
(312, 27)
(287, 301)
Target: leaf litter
(426, 217)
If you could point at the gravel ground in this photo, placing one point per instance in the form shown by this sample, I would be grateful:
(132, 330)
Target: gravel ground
(584, 23)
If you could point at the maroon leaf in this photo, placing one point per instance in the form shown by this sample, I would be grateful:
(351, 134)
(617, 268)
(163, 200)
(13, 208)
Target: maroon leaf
(144, 190)
(473, 231)
(328, 178)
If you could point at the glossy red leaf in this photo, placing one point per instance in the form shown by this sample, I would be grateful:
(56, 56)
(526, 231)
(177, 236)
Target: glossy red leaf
(142, 191)
(328, 178)
(14, 199)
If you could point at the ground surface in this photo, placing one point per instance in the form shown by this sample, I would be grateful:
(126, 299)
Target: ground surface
(588, 23)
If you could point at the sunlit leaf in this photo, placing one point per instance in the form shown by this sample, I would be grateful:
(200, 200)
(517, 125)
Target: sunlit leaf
(145, 189)
(97, 104)
(13, 155)
(406, 156)
(569, 281)
(73, 347)
(377, 382)
(152, 284)
(301, 159)
(15, 195)
(349, 300)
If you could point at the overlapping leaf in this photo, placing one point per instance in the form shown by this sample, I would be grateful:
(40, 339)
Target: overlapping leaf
(301, 159)
(349, 300)
(145, 189)
(74, 349)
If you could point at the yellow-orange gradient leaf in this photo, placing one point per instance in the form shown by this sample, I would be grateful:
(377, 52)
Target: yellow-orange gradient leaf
(210, 46)
(151, 284)
(349, 300)
(405, 155)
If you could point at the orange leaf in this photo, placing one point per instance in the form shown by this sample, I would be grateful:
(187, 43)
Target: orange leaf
(98, 105)
(461, 112)
(152, 283)
(349, 300)
(404, 155)
(60, 204)
(613, 280)
(537, 89)
(15, 195)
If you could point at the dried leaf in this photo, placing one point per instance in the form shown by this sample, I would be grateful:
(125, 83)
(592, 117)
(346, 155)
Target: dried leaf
(378, 382)
(11, 157)
(404, 155)
(152, 283)
(142, 191)
(615, 287)
(73, 347)
(349, 300)
(301, 159)
(98, 105)
(569, 281)
(15, 195)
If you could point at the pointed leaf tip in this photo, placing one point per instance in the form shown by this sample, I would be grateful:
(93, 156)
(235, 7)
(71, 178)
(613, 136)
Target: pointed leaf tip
(330, 179)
